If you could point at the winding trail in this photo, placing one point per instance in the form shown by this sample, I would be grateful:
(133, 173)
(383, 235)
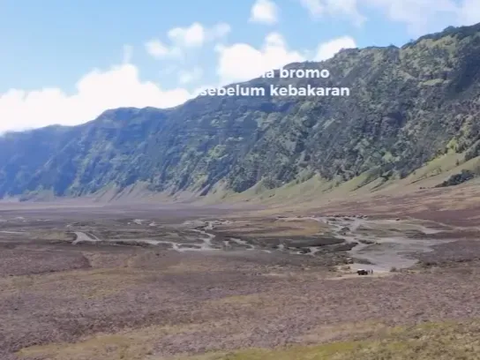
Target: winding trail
(12, 232)
(383, 252)
(205, 245)
(380, 243)
(240, 242)
(84, 237)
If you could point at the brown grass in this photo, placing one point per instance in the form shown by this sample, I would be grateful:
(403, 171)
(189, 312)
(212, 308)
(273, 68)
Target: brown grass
(64, 302)
(258, 228)
(444, 341)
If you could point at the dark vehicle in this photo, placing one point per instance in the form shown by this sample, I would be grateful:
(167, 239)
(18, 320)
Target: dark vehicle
(364, 272)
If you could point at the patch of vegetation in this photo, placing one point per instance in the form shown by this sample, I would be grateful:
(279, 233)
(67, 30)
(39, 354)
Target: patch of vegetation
(457, 179)
(439, 341)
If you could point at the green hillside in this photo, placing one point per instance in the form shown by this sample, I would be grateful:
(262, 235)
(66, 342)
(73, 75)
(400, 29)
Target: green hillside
(407, 107)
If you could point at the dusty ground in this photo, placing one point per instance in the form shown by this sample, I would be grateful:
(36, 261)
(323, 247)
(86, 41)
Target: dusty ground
(234, 282)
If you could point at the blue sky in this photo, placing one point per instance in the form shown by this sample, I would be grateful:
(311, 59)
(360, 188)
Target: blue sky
(67, 61)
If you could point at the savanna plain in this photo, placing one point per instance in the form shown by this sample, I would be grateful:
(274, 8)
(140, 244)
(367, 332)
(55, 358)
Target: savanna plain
(146, 281)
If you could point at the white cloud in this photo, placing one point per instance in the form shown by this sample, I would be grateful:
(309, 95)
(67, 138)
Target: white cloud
(330, 48)
(418, 15)
(240, 62)
(159, 50)
(218, 32)
(187, 77)
(316, 8)
(121, 86)
(156, 48)
(264, 11)
(346, 8)
(423, 16)
(192, 36)
(95, 92)
(469, 12)
(196, 34)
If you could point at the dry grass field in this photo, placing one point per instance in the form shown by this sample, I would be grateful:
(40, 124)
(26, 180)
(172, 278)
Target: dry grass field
(129, 296)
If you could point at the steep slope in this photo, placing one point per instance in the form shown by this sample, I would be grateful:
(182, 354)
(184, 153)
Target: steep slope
(407, 106)
(23, 154)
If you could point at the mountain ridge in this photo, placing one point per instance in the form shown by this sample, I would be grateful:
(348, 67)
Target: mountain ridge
(407, 106)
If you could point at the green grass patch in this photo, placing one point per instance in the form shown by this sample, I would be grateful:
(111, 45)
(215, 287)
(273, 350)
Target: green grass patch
(435, 341)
